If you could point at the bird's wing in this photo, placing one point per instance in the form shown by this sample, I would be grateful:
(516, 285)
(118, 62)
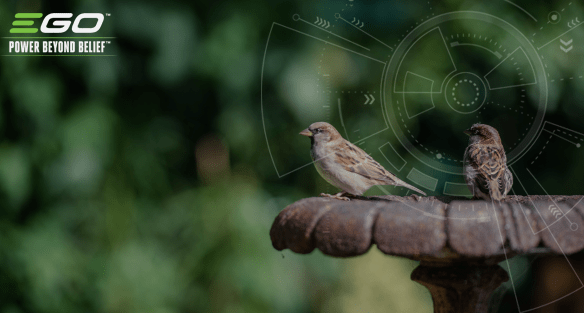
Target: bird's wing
(357, 161)
(489, 162)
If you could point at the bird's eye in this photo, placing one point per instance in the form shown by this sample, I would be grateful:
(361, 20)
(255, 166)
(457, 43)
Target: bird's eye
(317, 130)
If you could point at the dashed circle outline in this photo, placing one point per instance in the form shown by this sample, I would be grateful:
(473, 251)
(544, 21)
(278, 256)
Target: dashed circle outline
(484, 98)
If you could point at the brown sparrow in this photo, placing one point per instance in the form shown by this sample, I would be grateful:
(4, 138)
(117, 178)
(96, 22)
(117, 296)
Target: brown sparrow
(345, 165)
(485, 164)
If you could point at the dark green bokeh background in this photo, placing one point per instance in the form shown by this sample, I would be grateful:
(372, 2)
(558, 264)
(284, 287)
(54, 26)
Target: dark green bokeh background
(142, 182)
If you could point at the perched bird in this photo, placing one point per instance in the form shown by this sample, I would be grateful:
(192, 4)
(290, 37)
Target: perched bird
(485, 164)
(345, 165)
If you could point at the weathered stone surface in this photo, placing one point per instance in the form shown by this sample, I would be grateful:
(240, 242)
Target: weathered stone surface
(475, 228)
(560, 225)
(521, 227)
(433, 228)
(345, 230)
(461, 288)
(293, 227)
(410, 228)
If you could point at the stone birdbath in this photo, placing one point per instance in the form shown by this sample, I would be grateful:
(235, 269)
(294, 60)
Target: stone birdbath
(459, 242)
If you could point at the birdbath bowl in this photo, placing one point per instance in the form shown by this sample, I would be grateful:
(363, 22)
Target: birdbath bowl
(459, 242)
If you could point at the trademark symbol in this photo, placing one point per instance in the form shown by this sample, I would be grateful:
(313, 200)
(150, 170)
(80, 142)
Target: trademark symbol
(107, 14)
(108, 42)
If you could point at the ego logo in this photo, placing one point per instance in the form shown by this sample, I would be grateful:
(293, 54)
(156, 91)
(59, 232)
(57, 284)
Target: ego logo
(58, 26)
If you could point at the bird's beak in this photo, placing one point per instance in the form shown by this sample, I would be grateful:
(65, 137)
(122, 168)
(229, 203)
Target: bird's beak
(467, 132)
(306, 133)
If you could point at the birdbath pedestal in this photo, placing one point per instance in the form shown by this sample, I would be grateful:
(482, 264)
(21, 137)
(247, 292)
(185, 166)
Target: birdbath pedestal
(459, 242)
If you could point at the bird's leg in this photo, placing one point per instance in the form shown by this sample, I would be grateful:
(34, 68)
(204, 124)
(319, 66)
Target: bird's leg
(338, 196)
(475, 195)
(416, 197)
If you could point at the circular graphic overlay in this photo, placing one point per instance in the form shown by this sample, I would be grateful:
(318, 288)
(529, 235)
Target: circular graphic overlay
(465, 93)
(554, 17)
(458, 69)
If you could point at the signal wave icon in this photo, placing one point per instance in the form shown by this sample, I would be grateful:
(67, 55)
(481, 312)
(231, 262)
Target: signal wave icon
(555, 211)
(357, 22)
(573, 23)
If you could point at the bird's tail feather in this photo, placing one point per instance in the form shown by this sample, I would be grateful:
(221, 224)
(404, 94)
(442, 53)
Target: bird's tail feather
(404, 184)
(494, 190)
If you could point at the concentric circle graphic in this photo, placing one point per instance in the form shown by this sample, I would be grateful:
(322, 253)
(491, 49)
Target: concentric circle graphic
(465, 92)
(415, 83)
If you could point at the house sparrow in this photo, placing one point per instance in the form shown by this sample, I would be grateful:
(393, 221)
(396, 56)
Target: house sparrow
(485, 164)
(345, 165)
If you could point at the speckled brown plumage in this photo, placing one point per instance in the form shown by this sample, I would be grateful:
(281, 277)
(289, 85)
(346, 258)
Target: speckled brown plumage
(485, 164)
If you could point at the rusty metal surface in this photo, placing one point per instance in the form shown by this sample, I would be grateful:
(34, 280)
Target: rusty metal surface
(434, 228)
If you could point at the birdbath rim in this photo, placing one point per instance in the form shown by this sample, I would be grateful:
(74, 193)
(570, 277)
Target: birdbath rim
(436, 229)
